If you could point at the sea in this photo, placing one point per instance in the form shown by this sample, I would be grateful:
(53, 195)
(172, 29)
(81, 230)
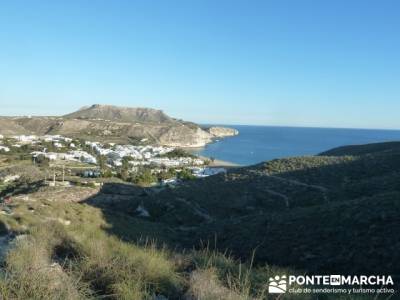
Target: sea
(255, 144)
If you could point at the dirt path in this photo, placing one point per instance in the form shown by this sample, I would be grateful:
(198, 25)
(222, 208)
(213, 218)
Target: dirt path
(283, 196)
(197, 209)
(322, 189)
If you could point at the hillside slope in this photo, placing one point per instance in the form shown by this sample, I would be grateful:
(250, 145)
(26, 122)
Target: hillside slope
(363, 149)
(321, 214)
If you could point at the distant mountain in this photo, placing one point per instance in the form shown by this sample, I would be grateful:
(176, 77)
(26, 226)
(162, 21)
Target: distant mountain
(107, 123)
(120, 114)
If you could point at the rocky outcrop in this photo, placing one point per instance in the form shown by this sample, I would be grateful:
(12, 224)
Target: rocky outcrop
(217, 131)
(184, 136)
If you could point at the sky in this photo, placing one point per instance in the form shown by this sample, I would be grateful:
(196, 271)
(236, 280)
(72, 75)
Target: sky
(294, 63)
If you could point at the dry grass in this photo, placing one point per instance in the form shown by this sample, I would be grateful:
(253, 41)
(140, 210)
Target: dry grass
(82, 255)
(64, 251)
(32, 273)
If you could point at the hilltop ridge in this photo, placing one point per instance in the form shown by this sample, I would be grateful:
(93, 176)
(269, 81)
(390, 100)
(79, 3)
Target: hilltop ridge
(120, 114)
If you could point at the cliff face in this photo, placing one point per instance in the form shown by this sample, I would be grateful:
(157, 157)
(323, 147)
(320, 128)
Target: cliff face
(184, 136)
(107, 123)
(222, 131)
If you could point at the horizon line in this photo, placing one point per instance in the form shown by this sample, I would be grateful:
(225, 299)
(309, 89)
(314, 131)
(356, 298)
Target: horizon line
(300, 126)
(234, 124)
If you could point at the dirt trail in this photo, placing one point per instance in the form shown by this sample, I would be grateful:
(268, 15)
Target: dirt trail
(197, 209)
(322, 189)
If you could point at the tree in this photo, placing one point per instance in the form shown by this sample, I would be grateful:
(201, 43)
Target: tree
(177, 153)
(125, 162)
(123, 174)
(102, 161)
(144, 178)
(107, 173)
(186, 174)
(49, 146)
(166, 174)
(42, 160)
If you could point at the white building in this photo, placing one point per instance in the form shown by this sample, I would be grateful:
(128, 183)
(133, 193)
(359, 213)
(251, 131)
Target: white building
(25, 138)
(117, 163)
(71, 156)
(83, 156)
(139, 163)
(205, 172)
(4, 148)
(171, 181)
(48, 155)
(165, 162)
(51, 138)
(51, 155)
(67, 140)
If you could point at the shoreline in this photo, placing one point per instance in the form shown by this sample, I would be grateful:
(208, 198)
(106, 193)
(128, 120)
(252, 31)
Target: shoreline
(219, 162)
(216, 162)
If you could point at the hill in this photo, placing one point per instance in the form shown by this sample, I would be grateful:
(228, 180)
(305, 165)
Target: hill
(107, 123)
(363, 149)
(120, 114)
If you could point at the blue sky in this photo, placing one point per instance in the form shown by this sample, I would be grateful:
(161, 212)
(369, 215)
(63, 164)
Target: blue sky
(302, 63)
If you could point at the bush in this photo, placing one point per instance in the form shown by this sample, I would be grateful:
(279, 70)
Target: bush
(42, 161)
(107, 173)
(144, 178)
(31, 272)
(186, 174)
(166, 174)
(177, 153)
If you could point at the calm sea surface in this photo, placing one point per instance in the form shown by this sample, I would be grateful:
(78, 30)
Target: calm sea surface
(259, 143)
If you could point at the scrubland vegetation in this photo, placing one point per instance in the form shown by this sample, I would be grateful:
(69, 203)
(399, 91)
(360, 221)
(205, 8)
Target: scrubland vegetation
(63, 251)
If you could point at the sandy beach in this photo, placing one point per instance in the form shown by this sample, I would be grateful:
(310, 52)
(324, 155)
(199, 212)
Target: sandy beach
(220, 163)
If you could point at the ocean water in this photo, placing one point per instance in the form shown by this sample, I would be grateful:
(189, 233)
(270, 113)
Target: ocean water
(260, 143)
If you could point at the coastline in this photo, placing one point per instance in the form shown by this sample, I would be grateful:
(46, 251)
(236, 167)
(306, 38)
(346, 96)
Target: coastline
(216, 162)
(220, 163)
(214, 139)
